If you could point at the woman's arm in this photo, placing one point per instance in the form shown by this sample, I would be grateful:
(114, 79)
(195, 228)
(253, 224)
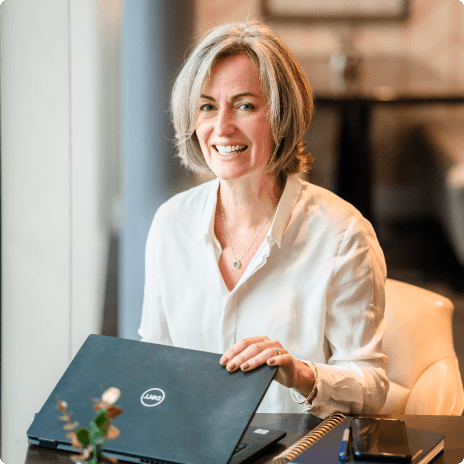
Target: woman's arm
(353, 380)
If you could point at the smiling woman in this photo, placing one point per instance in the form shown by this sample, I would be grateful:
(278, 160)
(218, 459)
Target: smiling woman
(281, 83)
(233, 126)
(259, 265)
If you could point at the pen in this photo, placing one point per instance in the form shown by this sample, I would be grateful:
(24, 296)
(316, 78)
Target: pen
(345, 444)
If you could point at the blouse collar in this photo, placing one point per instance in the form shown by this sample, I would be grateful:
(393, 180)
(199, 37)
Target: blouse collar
(283, 214)
(287, 204)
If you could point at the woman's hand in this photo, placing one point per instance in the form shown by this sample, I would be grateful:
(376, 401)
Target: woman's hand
(249, 353)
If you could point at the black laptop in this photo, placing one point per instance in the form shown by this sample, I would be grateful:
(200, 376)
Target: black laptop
(180, 406)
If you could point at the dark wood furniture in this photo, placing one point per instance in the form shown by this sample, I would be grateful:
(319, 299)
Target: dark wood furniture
(382, 80)
(297, 425)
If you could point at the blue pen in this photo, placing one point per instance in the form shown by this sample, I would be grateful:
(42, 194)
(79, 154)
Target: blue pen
(345, 444)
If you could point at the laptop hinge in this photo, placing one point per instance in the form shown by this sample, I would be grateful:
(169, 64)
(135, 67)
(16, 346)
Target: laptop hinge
(47, 443)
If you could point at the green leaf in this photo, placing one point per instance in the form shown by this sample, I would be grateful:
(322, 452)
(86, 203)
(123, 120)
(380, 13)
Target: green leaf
(102, 422)
(83, 435)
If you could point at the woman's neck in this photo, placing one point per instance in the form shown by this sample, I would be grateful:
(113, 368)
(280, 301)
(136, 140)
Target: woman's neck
(248, 204)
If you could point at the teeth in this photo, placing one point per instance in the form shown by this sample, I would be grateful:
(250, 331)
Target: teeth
(230, 149)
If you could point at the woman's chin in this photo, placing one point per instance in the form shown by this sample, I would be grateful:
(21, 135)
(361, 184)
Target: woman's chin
(253, 177)
(234, 171)
(227, 176)
(229, 171)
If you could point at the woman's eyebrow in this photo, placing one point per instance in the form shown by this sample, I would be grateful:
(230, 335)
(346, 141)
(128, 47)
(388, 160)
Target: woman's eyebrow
(234, 97)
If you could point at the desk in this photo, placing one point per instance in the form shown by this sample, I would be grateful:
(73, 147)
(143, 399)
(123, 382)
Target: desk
(451, 426)
(297, 426)
(391, 80)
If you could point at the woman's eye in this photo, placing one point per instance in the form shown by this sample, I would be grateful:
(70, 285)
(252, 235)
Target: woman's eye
(206, 107)
(246, 106)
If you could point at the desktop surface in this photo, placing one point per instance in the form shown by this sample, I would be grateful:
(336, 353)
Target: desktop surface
(297, 425)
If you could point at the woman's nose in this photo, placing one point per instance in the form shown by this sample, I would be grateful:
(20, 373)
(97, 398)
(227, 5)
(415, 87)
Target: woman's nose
(224, 123)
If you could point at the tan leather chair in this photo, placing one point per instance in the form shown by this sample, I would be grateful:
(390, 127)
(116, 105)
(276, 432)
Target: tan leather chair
(423, 370)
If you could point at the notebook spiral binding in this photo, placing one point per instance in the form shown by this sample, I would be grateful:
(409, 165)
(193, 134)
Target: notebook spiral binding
(309, 439)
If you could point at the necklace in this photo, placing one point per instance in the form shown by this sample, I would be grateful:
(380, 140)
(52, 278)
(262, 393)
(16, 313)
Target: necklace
(236, 263)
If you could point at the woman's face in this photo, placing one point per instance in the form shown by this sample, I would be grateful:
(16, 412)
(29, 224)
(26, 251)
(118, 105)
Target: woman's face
(233, 126)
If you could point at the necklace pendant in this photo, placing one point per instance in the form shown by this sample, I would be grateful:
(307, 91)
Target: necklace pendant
(236, 264)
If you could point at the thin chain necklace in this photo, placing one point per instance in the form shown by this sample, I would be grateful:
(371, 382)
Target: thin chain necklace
(236, 263)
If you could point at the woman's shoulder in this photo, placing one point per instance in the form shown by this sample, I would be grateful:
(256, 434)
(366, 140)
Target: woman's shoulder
(181, 217)
(329, 209)
(335, 221)
(329, 201)
(189, 202)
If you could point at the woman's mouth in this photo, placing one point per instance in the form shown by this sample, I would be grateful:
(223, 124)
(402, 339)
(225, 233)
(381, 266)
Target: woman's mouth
(230, 150)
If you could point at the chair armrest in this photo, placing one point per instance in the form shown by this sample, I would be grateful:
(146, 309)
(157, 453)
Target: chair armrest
(445, 398)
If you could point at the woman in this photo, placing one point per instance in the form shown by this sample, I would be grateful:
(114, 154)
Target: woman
(259, 265)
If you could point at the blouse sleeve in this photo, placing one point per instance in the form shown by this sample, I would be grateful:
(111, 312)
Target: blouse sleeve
(353, 380)
(153, 326)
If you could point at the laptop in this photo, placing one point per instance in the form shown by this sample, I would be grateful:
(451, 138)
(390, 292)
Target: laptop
(180, 406)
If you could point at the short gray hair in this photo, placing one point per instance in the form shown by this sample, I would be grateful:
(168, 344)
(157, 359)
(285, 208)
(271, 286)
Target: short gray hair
(285, 88)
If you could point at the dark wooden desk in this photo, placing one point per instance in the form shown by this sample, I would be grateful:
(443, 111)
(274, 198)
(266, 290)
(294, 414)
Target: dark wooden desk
(297, 425)
(382, 80)
(451, 426)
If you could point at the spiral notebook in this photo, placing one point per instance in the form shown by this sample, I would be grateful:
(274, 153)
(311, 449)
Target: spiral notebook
(322, 444)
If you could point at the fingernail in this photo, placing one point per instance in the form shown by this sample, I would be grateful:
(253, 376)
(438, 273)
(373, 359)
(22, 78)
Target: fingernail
(223, 361)
(231, 367)
(245, 367)
(271, 361)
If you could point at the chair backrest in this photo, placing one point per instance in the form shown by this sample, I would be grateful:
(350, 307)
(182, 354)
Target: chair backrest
(423, 368)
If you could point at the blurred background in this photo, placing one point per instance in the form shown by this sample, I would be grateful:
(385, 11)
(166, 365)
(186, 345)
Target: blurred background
(87, 158)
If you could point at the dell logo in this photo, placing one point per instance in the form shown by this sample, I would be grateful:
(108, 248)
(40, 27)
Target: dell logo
(152, 397)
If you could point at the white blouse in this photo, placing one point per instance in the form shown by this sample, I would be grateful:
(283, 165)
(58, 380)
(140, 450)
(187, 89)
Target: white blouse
(316, 285)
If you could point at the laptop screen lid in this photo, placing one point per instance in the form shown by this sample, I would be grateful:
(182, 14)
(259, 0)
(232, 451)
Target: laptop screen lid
(179, 405)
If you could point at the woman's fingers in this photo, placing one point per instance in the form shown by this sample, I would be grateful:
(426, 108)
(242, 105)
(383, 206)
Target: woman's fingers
(279, 360)
(238, 348)
(251, 353)
(269, 357)
(252, 356)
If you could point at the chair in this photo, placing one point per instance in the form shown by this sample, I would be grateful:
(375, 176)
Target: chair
(423, 370)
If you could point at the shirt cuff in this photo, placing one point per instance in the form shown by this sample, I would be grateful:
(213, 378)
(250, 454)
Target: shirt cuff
(349, 390)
